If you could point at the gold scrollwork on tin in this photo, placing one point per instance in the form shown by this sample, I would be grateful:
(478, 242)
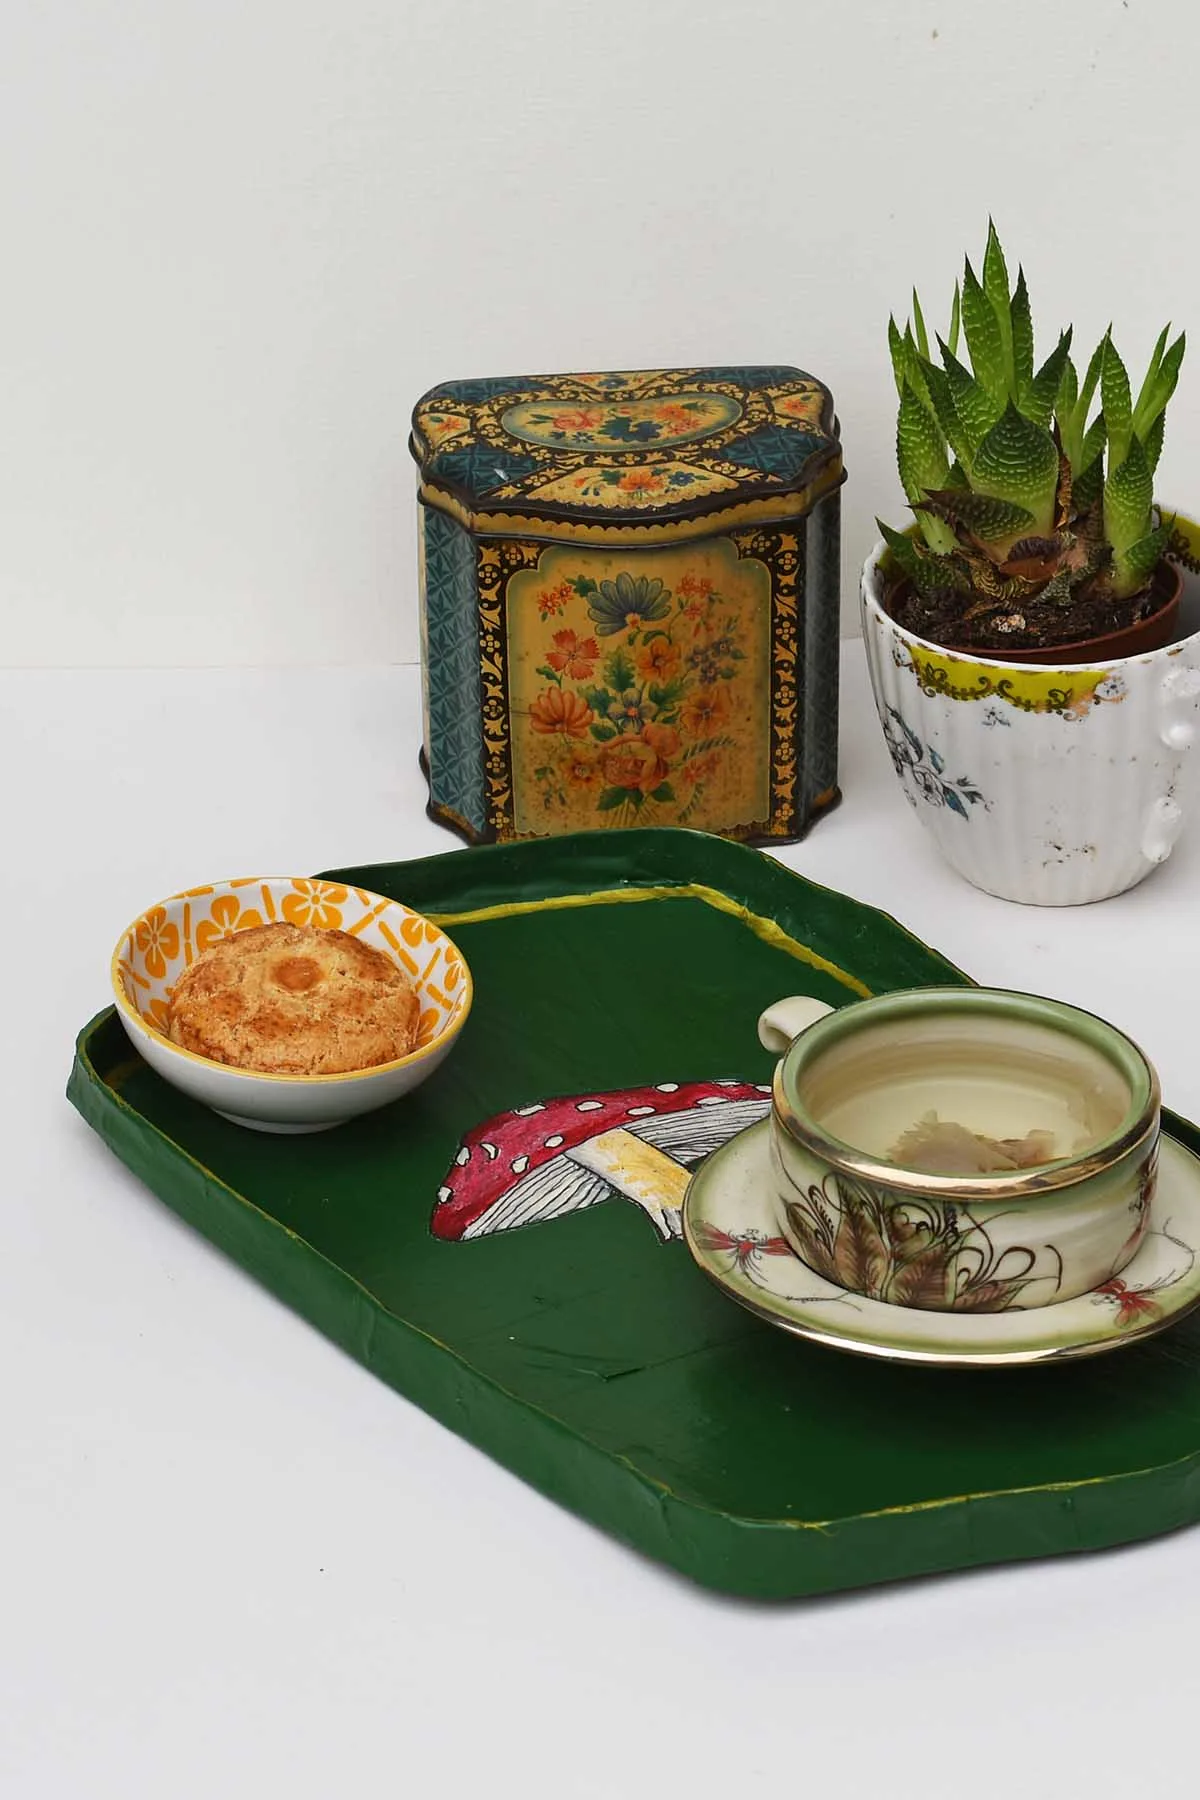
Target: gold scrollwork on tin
(495, 562)
(781, 552)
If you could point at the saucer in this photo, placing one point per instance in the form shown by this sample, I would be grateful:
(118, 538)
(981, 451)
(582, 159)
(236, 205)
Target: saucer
(730, 1225)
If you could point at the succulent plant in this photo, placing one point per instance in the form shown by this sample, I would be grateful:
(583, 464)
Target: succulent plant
(1023, 502)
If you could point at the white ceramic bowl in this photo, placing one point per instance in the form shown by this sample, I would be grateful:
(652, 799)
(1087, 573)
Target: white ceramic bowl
(159, 945)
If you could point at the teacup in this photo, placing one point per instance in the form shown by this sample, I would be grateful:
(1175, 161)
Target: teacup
(960, 1149)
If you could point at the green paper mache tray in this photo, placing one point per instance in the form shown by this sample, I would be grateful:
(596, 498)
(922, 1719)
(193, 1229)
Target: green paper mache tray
(577, 1343)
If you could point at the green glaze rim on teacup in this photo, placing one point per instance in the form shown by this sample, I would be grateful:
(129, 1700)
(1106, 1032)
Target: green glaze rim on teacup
(1141, 1121)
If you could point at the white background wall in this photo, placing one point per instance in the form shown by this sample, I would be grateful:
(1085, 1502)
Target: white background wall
(238, 238)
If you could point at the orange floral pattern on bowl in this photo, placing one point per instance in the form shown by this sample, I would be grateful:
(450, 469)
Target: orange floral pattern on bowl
(168, 937)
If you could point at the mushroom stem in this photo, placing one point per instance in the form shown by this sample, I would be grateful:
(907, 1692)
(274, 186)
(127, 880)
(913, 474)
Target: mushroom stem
(644, 1174)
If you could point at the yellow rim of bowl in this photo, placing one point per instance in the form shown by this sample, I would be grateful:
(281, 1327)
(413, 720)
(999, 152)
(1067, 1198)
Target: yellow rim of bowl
(450, 1029)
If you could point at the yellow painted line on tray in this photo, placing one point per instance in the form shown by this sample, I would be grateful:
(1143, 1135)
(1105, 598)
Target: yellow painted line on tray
(766, 929)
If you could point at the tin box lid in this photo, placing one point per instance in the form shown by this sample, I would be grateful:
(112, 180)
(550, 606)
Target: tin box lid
(643, 453)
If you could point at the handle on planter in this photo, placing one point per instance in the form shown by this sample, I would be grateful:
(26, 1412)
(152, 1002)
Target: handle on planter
(786, 1019)
(1179, 699)
(1162, 828)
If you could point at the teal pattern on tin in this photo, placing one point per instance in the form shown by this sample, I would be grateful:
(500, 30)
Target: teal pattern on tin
(772, 451)
(483, 468)
(452, 638)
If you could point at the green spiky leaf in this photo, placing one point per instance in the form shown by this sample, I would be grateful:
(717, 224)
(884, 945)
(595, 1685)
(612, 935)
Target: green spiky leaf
(942, 400)
(1018, 461)
(1058, 590)
(896, 346)
(923, 463)
(991, 521)
(977, 409)
(995, 286)
(1088, 391)
(919, 322)
(1141, 404)
(1141, 559)
(900, 545)
(1154, 441)
(1043, 393)
(983, 337)
(1159, 385)
(1068, 392)
(1088, 485)
(1073, 407)
(955, 319)
(920, 447)
(1094, 440)
(1067, 415)
(1022, 337)
(915, 365)
(1118, 408)
(927, 573)
(1128, 496)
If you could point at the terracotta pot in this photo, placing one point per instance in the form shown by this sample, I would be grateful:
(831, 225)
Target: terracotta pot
(1135, 640)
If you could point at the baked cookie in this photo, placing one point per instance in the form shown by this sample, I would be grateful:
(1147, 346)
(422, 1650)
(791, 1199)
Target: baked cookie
(293, 1000)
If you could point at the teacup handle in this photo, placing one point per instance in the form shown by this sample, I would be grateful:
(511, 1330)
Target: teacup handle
(786, 1019)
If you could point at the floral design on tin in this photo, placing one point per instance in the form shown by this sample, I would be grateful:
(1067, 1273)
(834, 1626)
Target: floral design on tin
(637, 710)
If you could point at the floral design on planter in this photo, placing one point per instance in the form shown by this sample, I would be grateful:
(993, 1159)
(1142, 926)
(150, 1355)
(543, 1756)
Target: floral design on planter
(919, 764)
(908, 1253)
(639, 711)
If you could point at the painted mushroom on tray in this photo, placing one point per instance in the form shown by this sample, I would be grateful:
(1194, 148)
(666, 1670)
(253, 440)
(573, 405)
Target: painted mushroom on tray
(559, 1156)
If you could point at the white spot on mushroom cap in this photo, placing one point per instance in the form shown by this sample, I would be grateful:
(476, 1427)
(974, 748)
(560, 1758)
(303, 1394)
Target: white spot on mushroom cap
(491, 1149)
(552, 1143)
(640, 1112)
(444, 1194)
(527, 1112)
(520, 1165)
(463, 1157)
(712, 1100)
(589, 1106)
(668, 1087)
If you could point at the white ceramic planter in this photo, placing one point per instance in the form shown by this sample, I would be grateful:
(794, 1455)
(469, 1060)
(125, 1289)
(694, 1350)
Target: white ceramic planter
(1044, 784)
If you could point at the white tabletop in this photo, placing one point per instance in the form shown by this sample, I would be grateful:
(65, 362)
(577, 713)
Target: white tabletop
(235, 1564)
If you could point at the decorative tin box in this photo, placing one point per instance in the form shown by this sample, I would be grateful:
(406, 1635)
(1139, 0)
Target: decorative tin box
(629, 601)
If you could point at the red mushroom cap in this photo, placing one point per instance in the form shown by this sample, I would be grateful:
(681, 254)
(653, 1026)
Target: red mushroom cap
(504, 1151)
